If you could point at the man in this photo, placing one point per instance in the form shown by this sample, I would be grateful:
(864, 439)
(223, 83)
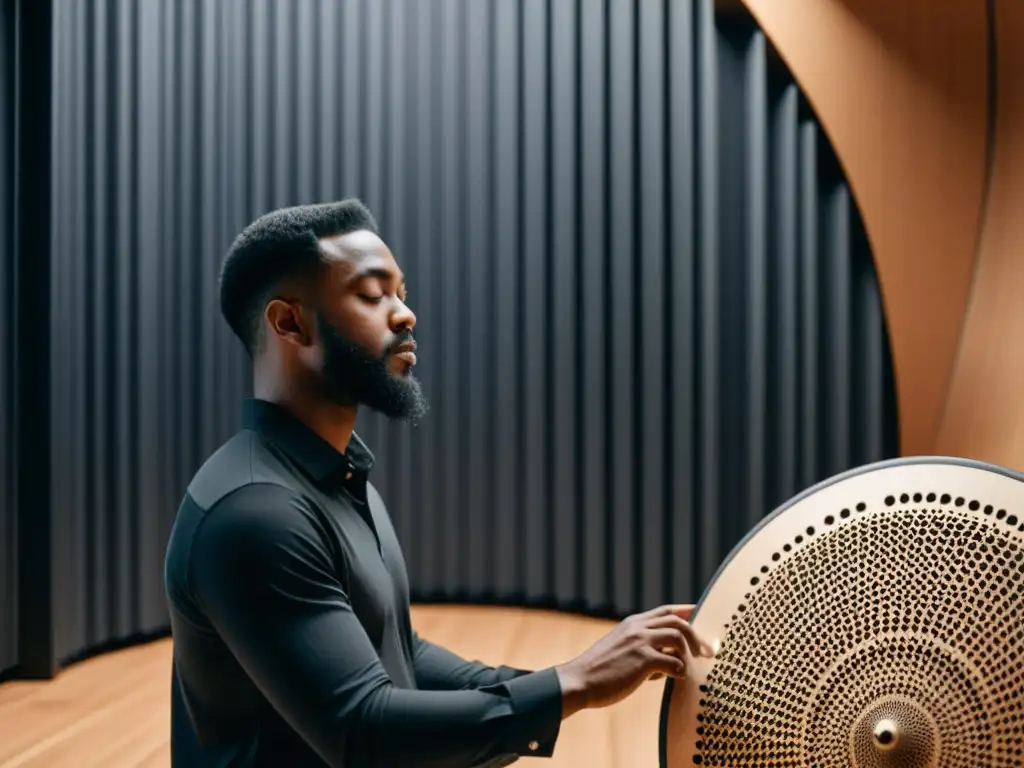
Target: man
(288, 593)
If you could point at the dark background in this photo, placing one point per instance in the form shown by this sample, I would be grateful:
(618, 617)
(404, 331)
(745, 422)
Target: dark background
(647, 308)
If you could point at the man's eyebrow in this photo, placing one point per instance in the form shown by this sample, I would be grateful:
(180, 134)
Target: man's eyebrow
(381, 273)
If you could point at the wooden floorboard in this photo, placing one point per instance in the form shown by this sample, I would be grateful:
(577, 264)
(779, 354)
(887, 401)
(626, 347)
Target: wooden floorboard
(113, 711)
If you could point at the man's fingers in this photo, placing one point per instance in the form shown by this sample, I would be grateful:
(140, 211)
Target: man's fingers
(672, 640)
(667, 664)
(698, 645)
(682, 611)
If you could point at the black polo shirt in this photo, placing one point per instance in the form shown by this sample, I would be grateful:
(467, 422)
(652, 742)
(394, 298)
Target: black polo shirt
(293, 645)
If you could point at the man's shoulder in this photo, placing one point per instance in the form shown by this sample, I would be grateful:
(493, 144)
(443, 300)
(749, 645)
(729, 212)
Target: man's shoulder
(240, 485)
(245, 461)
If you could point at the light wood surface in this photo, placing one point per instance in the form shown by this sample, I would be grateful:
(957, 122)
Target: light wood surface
(113, 711)
(901, 89)
(985, 411)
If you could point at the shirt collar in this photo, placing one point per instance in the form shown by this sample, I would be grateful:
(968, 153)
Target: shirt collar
(305, 447)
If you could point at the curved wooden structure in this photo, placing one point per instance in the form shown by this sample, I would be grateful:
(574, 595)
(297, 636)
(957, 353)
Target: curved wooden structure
(984, 416)
(902, 91)
(113, 711)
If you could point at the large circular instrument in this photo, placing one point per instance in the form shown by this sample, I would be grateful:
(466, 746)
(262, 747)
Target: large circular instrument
(875, 621)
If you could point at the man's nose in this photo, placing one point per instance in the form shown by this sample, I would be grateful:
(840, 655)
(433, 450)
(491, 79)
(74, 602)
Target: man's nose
(403, 318)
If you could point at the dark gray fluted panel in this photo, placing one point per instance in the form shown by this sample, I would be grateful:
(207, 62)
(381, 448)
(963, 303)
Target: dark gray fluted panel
(154, 162)
(8, 510)
(647, 309)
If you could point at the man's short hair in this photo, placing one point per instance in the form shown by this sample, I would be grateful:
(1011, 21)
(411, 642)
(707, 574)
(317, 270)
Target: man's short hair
(278, 245)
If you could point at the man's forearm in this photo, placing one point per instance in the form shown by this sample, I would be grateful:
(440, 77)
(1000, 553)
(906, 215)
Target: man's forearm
(439, 669)
(420, 729)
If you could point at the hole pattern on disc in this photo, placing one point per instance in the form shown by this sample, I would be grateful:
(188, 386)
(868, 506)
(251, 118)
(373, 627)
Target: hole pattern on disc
(909, 616)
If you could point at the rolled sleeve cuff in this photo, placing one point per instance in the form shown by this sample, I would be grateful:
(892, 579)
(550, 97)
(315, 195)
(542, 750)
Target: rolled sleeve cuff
(536, 699)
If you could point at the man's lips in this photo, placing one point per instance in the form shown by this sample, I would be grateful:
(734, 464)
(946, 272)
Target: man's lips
(406, 351)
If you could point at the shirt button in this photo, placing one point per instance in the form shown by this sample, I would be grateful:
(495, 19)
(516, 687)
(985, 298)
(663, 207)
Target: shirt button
(533, 745)
(348, 475)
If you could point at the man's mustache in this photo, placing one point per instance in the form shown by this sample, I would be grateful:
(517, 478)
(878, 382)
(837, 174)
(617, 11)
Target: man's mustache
(404, 337)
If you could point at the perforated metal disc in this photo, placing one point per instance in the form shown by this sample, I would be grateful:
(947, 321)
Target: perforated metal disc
(876, 621)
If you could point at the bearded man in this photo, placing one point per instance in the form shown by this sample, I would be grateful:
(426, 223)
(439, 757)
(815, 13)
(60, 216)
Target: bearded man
(288, 593)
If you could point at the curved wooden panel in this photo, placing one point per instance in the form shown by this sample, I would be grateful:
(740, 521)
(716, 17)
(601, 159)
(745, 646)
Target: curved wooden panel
(984, 416)
(909, 122)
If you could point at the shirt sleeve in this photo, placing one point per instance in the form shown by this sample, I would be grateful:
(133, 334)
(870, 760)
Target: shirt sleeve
(439, 669)
(262, 573)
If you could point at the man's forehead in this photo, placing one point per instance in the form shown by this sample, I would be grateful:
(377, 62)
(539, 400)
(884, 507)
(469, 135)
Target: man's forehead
(355, 246)
(358, 252)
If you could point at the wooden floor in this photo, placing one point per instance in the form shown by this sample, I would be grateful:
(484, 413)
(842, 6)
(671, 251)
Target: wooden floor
(113, 711)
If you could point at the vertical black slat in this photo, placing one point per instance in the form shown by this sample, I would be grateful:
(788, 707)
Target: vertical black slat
(372, 102)
(238, 138)
(149, 348)
(707, 150)
(680, 503)
(283, 88)
(163, 231)
(873, 354)
(193, 205)
(565, 324)
(730, 474)
(756, 248)
(426, 569)
(244, 46)
(326, 152)
(406, 188)
(218, 404)
(8, 520)
(838, 322)
(650, 448)
(258, 126)
(143, 513)
(622, 312)
(225, 399)
(180, 324)
(535, 326)
(62, 321)
(34, 35)
(809, 297)
(786, 266)
(353, 52)
(98, 503)
(508, 500)
(307, 98)
(248, 203)
(127, 511)
(593, 245)
(401, 179)
(450, 319)
(372, 149)
(209, 156)
(74, 430)
(198, 344)
(295, 41)
(184, 330)
(478, 383)
(169, 255)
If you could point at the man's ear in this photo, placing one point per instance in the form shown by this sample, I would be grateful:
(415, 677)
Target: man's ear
(287, 321)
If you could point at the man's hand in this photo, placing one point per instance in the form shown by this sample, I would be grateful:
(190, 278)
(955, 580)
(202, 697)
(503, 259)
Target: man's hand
(658, 642)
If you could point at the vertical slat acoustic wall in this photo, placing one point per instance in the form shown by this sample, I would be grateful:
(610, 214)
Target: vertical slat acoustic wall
(8, 510)
(647, 310)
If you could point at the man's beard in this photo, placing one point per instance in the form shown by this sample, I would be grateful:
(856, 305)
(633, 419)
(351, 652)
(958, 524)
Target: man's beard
(351, 375)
